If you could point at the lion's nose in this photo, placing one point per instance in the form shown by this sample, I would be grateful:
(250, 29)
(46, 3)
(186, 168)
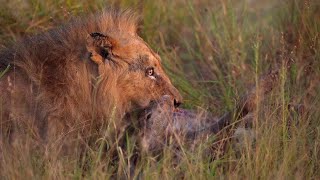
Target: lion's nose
(176, 103)
(176, 96)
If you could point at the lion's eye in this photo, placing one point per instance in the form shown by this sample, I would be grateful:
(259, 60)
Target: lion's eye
(150, 71)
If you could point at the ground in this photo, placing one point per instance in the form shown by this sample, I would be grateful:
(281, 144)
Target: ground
(213, 51)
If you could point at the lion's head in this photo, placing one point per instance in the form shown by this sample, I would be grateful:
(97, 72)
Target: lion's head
(140, 77)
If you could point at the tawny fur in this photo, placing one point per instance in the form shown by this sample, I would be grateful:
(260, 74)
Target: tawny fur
(66, 81)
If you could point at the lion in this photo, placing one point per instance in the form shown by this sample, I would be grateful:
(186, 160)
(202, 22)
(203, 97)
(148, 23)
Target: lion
(76, 77)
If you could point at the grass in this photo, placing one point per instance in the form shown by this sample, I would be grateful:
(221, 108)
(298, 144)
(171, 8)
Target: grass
(213, 51)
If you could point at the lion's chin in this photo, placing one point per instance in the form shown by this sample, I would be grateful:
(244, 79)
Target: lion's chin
(141, 104)
(144, 103)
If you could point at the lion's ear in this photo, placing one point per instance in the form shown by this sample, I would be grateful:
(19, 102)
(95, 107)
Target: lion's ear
(100, 46)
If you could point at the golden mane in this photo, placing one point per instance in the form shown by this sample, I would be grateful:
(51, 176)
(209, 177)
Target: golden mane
(49, 64)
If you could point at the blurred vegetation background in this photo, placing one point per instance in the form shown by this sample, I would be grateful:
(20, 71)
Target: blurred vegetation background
(213, 50)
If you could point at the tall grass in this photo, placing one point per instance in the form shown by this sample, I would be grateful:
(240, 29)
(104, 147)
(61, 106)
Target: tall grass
(213, 51)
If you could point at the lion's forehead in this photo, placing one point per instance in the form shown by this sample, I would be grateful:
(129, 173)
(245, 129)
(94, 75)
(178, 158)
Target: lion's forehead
(132, 47)
(143, 61)
(137, 52)
(139, 48)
